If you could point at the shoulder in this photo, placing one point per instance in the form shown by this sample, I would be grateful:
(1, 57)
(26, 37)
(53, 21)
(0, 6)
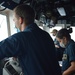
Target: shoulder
(71, 45)
(17, 36)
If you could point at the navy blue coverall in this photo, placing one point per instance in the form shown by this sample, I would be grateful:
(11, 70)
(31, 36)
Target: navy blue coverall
(68, 55)
(35, 50)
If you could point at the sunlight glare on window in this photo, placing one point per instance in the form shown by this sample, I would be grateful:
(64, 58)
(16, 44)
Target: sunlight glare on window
(73, 33)
(3, 27)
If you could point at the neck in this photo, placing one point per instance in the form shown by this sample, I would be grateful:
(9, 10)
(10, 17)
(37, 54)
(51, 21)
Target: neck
(67, 41)
(23, 26)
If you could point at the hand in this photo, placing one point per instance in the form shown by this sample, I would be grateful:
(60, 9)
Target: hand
(56, 46)
(63, 73)
(14, 58)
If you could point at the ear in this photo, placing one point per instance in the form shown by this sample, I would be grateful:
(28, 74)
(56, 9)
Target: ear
(20, 20)
(64, 38)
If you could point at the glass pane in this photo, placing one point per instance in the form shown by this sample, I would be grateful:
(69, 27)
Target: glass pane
(73, 33)
(3, 27)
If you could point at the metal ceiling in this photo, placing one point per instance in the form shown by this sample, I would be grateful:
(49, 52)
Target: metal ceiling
(47, 7)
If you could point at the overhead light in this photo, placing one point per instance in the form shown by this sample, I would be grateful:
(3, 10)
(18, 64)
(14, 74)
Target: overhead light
(61, 11)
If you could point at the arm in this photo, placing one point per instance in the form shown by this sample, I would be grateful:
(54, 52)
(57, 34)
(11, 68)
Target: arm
(56, 43)
(71, 53)
(9, 47)
(70, 70)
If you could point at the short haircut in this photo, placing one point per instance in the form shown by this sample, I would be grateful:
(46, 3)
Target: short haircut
(63, 33)
(54, 31)
(26, 12)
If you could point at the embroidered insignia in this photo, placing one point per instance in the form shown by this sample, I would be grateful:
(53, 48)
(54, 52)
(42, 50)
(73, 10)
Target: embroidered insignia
(64, 57)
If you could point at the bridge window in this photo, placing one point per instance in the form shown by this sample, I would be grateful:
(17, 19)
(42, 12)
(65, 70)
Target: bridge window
(73, 33)
(3, 27)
